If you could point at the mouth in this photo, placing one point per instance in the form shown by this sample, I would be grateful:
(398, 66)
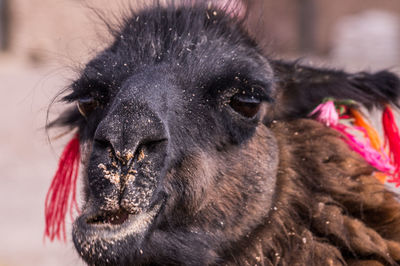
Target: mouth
(111, 218)
(112, 224)
(95, 234)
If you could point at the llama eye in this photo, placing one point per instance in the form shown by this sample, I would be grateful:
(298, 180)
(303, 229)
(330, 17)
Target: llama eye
(87, 105)
(245, 105)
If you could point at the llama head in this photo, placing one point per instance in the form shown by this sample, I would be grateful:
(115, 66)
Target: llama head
(173, 119)
(176, 156)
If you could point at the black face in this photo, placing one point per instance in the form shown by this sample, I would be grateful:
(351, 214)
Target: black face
(178, 165)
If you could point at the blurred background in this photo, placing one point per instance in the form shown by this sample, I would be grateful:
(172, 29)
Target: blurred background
(44, 42)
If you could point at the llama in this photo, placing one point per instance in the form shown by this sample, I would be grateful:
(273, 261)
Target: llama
(198, 149)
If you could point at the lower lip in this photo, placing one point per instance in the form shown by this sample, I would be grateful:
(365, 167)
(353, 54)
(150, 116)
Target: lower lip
(134, 225)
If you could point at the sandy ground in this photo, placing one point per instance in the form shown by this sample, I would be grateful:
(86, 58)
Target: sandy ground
(27, 163)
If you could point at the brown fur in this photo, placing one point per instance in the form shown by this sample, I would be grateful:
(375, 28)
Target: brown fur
(329, 210)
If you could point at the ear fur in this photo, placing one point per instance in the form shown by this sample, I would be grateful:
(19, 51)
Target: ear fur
(301, 88)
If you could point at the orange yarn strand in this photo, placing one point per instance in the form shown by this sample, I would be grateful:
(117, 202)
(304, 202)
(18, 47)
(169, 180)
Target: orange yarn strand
(381, 177)
(371, 132)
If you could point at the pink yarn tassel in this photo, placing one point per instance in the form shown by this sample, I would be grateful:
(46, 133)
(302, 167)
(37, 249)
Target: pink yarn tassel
(365, 149)
(326, 113)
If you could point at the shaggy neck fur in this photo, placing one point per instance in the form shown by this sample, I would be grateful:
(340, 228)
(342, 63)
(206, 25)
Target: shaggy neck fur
(329, 209)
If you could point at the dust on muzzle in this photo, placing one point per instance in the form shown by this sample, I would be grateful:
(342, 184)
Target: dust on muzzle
(128, 156)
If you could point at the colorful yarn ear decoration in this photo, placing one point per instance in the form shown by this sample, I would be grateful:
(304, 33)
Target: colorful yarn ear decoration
(326, 113)
(392, 140)
(371, 133)
(62, 192)
(370, 148)
(378, 160)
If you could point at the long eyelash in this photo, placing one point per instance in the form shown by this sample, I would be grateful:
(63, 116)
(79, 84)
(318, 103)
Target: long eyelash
(255, 91)
(228, 86)
(75, 95)
(71, 118)
(100, 94)
(72, 97)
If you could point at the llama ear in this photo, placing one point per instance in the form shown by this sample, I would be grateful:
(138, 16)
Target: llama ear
(301, 88)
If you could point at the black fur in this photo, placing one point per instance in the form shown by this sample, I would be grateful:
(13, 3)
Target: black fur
(302, 88)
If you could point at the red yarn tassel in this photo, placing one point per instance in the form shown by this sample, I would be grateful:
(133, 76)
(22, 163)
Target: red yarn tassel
(392, 139)
(62, 186)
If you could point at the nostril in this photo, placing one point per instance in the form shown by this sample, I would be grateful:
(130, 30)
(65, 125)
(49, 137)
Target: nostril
(102, 143)
(145, 148)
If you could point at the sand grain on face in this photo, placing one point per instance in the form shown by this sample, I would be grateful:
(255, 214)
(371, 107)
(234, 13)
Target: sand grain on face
(112, 175)
(141, 155)
(128, 156)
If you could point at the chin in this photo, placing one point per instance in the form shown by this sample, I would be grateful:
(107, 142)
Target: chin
(106, 238)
